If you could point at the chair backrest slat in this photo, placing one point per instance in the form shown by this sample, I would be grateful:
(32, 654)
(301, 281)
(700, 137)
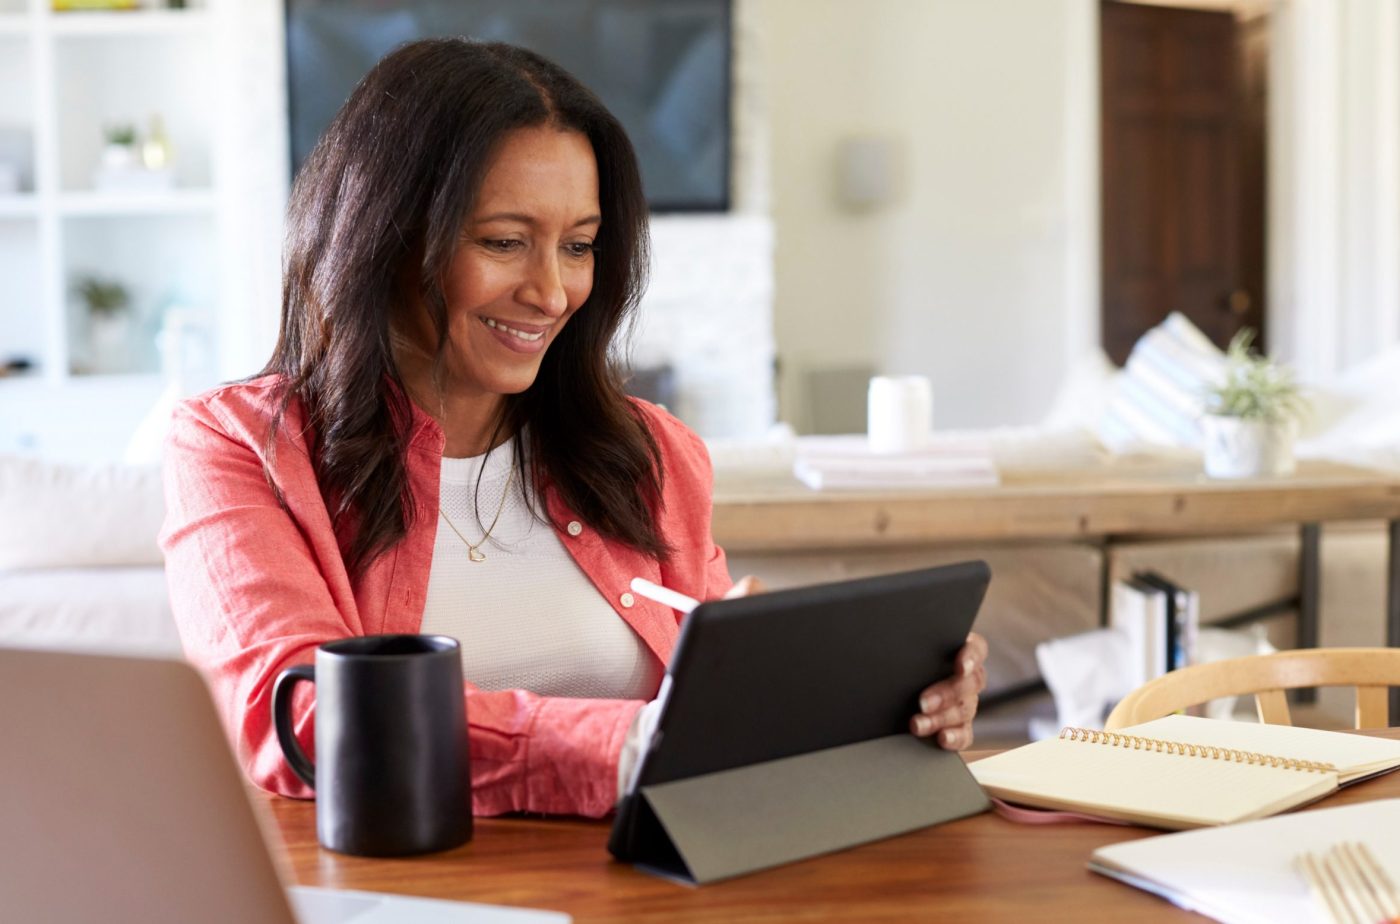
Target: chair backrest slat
(1273, 707)
(1372, 707)
(1372, 671)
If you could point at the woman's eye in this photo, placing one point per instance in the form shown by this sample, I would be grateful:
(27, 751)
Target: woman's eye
(580, 249)
(501, 245)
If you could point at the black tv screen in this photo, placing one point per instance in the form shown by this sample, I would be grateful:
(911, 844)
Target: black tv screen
(661, 66)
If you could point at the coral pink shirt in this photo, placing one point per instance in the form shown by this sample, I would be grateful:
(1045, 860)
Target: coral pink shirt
(256, 586)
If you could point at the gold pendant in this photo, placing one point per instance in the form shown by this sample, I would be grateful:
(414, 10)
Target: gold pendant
(475, 555)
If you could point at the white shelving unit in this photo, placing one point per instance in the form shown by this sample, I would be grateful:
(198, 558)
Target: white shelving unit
(67, 76)
(136, 22)
(23, 205)
(174, 202)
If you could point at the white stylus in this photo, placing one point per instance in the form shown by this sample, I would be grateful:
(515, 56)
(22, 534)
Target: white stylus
(676, 601)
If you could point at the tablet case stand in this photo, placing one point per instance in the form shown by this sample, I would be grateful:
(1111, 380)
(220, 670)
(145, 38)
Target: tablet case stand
(730, 822)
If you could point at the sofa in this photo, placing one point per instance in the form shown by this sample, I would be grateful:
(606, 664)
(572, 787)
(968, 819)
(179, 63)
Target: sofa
(79, 564)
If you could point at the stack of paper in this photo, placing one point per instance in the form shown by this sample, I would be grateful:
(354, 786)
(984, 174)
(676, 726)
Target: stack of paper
(836, 463)
(1248, 873)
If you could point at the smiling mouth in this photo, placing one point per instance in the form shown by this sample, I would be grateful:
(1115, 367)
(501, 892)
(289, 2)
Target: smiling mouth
(514, 332)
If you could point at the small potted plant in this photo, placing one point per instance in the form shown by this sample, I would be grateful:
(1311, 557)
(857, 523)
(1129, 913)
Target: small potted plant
(109, 322)
(1251, 415)
(119, 149)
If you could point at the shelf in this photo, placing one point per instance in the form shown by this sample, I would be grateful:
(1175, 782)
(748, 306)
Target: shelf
(102, 381)
(22, 205)
(39, 383)
(128, 23)
(174, 202)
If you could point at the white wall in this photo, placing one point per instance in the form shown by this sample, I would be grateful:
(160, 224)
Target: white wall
(1334, 182)
(982, 273)
(255, 164)
(708, 311)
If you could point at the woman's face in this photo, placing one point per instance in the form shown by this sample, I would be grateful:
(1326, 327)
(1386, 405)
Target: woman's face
(524, 263)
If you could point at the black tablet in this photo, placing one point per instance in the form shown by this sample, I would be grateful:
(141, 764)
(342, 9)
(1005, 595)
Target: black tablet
(759, 680)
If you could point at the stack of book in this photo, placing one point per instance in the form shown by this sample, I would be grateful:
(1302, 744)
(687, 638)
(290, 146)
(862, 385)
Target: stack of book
(1161, 620)
(835, 463)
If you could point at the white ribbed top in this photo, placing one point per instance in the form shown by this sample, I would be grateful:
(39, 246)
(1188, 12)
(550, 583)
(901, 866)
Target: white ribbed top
(527, 617)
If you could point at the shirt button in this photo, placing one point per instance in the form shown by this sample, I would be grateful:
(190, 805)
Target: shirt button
(628, 600)
(574, 528)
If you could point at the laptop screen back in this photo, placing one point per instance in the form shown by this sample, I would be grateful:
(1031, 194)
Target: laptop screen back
(121, 801)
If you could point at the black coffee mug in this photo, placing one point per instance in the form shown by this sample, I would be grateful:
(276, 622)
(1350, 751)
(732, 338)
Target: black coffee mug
(393, 771)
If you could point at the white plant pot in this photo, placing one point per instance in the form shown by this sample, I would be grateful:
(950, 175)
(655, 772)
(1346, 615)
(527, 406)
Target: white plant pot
(1238, 448)
(110, 342)
(121, 157)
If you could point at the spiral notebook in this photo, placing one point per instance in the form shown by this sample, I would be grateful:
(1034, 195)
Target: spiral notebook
(1182, 771)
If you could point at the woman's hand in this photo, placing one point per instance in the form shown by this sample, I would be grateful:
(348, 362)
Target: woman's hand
(744, 587)
(946, 708)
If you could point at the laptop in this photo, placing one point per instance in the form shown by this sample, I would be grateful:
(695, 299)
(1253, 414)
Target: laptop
(122, 802)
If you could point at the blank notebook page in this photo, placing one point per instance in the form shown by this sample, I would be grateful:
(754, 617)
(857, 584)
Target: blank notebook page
(1144, 786)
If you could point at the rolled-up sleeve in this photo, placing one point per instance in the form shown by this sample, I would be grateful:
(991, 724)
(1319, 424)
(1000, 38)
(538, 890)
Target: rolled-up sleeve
(246, 587)
(256, 583)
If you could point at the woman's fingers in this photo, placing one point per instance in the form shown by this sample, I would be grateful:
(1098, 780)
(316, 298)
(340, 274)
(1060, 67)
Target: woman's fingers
(939, 695)
(746, 586)
(956, 739)
(946, 708)
(960, 712)
(972, 655)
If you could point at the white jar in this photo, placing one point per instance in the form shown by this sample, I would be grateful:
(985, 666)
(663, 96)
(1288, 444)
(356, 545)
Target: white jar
(899, 413)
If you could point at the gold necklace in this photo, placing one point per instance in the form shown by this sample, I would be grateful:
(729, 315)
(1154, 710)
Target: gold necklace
(474, 552)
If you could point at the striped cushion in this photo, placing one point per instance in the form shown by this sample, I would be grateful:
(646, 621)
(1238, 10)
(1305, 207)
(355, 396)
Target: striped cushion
(1157, 398)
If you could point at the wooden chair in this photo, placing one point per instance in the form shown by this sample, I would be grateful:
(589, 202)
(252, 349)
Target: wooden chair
(1370, 670)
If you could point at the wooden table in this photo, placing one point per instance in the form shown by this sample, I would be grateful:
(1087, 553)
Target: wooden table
(1120, 500)
(1129, 498)
(981, 869)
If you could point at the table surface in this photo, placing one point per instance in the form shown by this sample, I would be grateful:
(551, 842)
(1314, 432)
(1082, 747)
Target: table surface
(1128, 497)
(982, 869)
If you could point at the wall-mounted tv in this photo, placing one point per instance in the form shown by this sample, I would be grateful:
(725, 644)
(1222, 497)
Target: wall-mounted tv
(661, 66)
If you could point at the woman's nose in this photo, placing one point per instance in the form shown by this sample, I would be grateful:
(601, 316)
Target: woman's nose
(544, 287)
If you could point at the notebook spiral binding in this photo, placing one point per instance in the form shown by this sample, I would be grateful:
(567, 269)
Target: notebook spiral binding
(1137, 743)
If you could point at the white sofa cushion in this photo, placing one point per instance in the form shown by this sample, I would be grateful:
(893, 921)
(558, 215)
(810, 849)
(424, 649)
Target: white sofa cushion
(1355, 414)
(1158, 398)
(62, 515)
(96, 609)
(1083, 394)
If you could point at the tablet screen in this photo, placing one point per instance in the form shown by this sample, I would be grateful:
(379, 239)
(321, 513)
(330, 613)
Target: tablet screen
(784, 673)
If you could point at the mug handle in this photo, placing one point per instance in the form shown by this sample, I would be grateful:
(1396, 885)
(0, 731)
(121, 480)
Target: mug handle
(282, 718)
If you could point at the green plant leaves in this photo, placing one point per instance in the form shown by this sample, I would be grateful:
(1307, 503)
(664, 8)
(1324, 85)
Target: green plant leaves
(1255, 387)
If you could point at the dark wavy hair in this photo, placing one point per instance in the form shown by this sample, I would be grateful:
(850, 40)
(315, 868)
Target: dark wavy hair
(375, 218)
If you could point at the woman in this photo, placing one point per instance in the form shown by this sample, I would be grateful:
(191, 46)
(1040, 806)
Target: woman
(440, 443)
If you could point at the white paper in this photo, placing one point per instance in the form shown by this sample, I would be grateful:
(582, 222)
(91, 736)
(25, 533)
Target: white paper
(1086, 673)
(1245, 873)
